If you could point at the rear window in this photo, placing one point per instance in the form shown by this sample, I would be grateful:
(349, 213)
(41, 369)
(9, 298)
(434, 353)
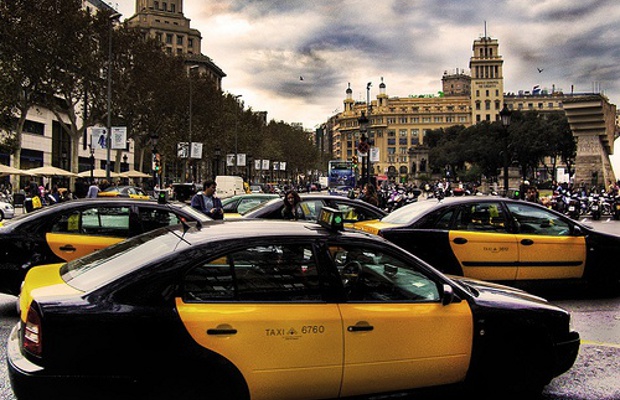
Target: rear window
(109, 264)
(406, 215)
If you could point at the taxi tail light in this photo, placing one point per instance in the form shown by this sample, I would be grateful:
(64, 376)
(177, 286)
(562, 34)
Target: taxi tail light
(32, 342)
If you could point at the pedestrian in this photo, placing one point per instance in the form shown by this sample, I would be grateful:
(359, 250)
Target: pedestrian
(370, 195)
(33, 199)
(207, 202)
(292, 206)
(93, 190)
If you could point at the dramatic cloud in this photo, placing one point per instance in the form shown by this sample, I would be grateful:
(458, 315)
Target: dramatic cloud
(265, 46)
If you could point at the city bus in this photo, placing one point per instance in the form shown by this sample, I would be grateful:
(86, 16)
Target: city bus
(341, 173)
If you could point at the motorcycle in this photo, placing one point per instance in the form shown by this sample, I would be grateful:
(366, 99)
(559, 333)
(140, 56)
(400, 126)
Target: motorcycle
(594, 206)
(573, 209)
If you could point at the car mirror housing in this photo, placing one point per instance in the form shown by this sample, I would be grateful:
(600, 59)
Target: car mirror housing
(447, 296)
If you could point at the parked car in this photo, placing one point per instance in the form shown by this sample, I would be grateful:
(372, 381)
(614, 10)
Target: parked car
(354, 210)
(501, 239)
(254, 309)
(6, 210)
(72, 229)
(132, 192)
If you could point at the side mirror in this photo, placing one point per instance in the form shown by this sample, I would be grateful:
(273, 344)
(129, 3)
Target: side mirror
(447, 296)
(577, 231)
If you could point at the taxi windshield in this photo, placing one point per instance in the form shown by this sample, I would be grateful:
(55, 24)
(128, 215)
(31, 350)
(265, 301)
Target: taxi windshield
(106, 265)
(408, 213)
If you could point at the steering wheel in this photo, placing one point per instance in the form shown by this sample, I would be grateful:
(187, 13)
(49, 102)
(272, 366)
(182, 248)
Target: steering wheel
(350, 274)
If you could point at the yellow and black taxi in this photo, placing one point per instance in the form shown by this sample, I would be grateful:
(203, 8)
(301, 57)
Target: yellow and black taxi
(72, 229)
(131, 192)
(353, 210)
(256, 309)
(503, 240)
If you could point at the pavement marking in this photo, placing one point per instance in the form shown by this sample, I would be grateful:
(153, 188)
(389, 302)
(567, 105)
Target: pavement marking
(596, 343)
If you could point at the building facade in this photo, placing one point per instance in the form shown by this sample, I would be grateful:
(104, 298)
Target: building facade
(165, 22)
(397, 125)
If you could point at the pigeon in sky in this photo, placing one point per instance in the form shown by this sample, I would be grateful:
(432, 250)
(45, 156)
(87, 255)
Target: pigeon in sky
(301, 78)
(540, 70)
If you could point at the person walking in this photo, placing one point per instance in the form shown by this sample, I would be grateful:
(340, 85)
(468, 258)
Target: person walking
(207, 202)
(292, 209)
(93, 191)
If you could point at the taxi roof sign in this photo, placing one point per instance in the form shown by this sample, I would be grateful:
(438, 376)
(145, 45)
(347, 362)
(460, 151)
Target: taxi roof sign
(330, 218)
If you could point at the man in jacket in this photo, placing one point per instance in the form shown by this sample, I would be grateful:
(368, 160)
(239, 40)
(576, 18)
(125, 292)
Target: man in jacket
(206, 201)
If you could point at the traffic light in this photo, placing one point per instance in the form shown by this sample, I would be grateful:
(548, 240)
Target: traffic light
(354, 161)
(157, 164)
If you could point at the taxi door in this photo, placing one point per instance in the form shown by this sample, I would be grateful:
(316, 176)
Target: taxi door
(271, 323)
(547, 249)
(81, 232)
(397, 333)
(480, 240)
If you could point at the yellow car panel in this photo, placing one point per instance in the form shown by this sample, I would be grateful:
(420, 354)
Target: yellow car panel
(416, 348)
(291, 345)
(72, 246)
(486, 256)
(372, 226)
(43, 280)
(551, 257)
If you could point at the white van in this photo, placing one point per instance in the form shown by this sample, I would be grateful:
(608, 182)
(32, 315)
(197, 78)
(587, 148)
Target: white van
(228, 186)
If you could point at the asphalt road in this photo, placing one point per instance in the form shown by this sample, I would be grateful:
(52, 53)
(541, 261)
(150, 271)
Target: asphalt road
(594, 376)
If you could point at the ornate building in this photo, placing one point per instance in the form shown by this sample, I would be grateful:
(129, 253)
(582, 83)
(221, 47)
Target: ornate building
(165, 21)
(397, 125)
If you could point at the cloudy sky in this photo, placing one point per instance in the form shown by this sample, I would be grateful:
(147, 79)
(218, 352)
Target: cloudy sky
(265, 46)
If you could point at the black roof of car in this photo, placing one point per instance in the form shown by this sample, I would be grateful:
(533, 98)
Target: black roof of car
(68, 205)
(256, 212)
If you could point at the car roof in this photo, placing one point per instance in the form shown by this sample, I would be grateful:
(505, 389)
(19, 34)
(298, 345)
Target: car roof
(277, 202)
(68, 205)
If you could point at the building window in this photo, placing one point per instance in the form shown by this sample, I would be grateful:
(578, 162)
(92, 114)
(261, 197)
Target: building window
(156, 5)
(168, 38)
(477, 105)
(550, 105)
(402, 120)
(415, 120)
(172, 8)
(179, 40)
(402, 133)
(391, 133)
(165, 6)
(540, 105)
(391, 150)
(36, 128)
(415, 132)
(391, 120)
(438, 119)
(159, 37)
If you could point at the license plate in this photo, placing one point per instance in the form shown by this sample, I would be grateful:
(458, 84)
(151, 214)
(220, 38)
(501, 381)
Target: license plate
(594, 208)
(571, 208)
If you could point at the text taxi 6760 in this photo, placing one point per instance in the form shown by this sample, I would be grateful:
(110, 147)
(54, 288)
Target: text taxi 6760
(256, 309)
(503, 240)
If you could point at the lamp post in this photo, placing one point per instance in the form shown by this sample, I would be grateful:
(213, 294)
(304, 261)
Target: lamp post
(236, 133)
(108, 142)
(217, 153)
(154, 139)
(505, 115)
(92, 161)
(188, 171)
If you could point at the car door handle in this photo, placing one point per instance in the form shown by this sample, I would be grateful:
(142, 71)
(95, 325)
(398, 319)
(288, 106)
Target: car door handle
(67, 247)
(360, 328)
(459, 240)
(527, 242)
(222, 330)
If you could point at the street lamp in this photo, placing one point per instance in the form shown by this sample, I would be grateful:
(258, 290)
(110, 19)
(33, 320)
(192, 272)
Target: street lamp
(154, 139)
(236, 133)
(217, 153)
(108, 142)
(188, 171)
(505, 115)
